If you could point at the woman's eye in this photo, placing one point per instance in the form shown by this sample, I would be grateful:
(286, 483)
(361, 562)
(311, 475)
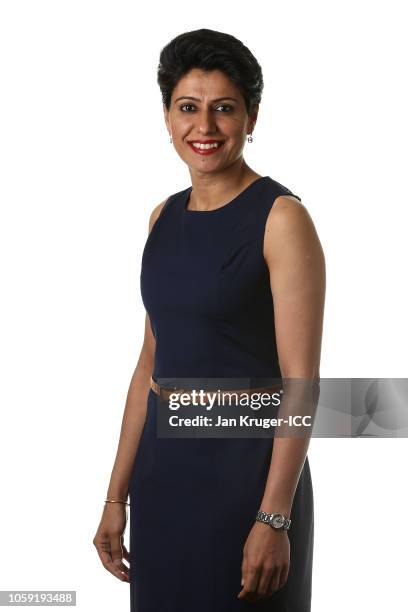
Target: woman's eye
(225, 106)
(185, 105)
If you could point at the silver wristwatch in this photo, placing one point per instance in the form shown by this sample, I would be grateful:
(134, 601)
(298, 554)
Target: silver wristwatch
(275, 520)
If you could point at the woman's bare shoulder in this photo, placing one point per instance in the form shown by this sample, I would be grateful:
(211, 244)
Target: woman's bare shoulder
(288, 214)
(289, 226)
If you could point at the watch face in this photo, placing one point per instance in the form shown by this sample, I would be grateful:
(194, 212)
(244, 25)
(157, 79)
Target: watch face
(277, 521)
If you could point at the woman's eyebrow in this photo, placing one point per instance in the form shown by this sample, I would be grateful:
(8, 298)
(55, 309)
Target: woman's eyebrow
(198, 99)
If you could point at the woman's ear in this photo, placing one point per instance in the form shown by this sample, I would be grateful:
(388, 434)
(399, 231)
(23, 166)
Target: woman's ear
(166, 117)
(253, 115)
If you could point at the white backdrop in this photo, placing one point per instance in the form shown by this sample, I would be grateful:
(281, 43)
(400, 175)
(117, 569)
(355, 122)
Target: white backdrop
(85, 157)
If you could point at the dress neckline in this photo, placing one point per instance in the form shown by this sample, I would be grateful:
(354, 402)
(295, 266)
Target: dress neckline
(228, 205)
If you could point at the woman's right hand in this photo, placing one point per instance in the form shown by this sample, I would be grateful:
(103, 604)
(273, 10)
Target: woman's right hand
(108, 540)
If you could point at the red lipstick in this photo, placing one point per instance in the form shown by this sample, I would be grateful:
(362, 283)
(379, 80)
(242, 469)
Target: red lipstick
(208, 150)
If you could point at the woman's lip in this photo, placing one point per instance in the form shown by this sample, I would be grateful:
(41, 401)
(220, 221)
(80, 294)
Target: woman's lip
(206, 151)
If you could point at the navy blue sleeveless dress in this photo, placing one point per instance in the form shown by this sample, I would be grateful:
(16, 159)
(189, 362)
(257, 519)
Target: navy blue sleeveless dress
(205, 285)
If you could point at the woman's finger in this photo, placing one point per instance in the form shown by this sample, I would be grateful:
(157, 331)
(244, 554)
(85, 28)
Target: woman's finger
(117, 554)
(251, 575)
(284, 576)
(103, 548)
(126, 554)
(265, 581)
(274, 583)
(108, 564)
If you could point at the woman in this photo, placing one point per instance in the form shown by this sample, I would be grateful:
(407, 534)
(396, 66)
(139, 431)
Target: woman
(216, 253)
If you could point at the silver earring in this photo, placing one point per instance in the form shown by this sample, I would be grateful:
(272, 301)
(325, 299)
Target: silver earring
(171, 140)
(250, 139)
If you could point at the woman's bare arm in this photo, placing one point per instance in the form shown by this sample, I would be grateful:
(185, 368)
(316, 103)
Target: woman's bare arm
(298, 281)
(296, 265)
(135, 408)
(133, 418)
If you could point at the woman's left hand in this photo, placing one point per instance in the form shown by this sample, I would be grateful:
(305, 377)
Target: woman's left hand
(265, 564)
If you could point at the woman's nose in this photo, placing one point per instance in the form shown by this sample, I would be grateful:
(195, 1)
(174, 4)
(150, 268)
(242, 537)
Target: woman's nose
(206, 121)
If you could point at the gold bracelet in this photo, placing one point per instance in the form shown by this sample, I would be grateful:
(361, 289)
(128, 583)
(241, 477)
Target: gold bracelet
(116, 501)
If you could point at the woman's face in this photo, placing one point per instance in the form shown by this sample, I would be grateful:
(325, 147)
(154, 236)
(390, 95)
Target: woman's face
(207, 107)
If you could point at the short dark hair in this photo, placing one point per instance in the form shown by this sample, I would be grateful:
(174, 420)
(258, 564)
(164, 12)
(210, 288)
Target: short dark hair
(210, 50)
